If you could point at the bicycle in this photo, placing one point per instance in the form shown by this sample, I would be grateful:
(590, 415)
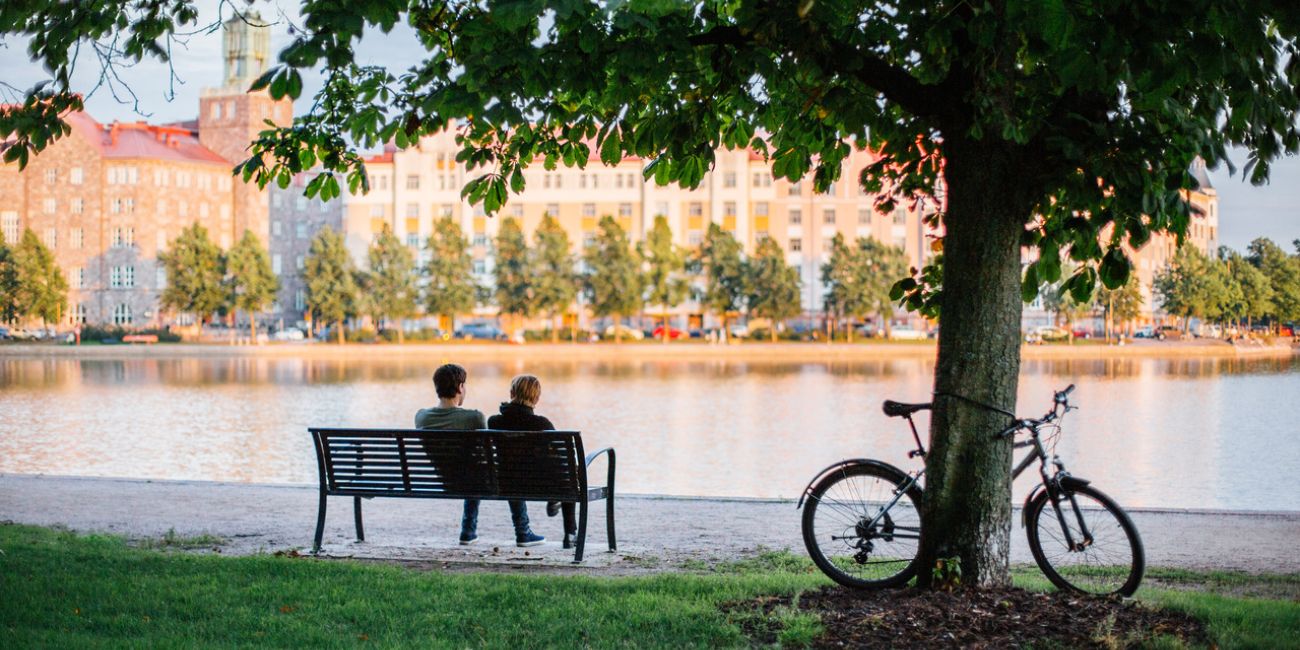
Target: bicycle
(869, 530)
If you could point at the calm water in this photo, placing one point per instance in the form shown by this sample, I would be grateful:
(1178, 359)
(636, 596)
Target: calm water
(1172, 433)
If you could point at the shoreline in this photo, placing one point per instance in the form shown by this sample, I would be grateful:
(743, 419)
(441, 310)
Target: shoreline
(639, 351)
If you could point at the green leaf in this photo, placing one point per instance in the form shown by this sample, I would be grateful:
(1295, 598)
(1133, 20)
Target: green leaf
(264, 80)
(1115, 269)
(1029, 286)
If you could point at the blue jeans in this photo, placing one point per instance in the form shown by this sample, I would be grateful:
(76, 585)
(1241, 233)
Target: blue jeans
(469, 521)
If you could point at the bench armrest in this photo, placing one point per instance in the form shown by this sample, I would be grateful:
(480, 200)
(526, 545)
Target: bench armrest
(609, 479)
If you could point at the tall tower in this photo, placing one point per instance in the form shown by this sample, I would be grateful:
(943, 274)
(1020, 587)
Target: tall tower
(230, 118)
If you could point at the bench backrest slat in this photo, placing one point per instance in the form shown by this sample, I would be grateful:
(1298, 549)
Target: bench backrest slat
(484, 463)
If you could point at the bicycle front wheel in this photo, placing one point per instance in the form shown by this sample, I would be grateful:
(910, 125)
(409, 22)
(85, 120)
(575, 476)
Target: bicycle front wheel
(1106, 559)
(858, 533)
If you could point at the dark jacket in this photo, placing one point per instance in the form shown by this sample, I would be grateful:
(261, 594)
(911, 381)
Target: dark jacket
(517, 417)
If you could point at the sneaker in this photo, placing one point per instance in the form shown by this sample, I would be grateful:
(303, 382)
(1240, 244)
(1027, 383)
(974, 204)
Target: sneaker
(466, 540)
(529, 538)
(552, 508)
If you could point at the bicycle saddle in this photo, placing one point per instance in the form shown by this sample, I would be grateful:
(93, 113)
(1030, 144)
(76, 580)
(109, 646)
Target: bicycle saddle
(898, 409)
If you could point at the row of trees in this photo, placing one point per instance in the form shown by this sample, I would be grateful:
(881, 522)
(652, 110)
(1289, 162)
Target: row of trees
(31, 285)
(1233, 288)
(204, 281)
(542, 279)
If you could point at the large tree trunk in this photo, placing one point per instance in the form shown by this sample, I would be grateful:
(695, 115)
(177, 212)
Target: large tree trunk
(967, 505)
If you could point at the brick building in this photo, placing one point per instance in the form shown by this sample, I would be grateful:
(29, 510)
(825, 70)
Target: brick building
(107, 198)
(295, 220)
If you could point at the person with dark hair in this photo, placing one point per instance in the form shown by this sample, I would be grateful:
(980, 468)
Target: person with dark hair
(449, 381)
(518, 415)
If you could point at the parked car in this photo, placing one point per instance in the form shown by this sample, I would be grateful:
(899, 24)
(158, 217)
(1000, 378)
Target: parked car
(4, 334)
(1050, 333)
(907, 334)
(1170, 332)
(1147, 332)
(627, 332)
(1081, 333)
(289, 334)
(739, 331)
(673, 333)
(481, 332)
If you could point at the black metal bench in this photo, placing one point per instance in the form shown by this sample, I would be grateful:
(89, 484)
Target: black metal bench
(481, 464)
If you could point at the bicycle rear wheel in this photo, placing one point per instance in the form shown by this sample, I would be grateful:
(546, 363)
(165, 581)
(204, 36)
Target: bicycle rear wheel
(1109, 560)
(851, 536)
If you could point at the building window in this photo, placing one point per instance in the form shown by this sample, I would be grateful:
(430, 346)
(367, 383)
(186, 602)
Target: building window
(618, 180)
(300, 300)
(275, 229)
(864, 216)
(183, 209)
(115, 277)
(760, 209)
(377, 211)
(729, 209)
(76, 176)
(161, 177)
(117, 238)
(128, 206)
(595, 181)
(51, 175)
(588, 239)
(589, 209)
(546, 181)
(128, 236)
(412, 210)
(900, 216)
(51, 238)
(796, 245)
(49, 206)
(694, 238)
(760, 236)
(553, 209)
(480, 239)
(77, 277)
(413, 182)
(480, 267)
(203, 211)
(9, 226)
(275, 264)
(298, 263)
(413, 240)
(695, 209)
(762, 179)
(796, 189)
(77, 239)
(661, 208)
(517, 211)
(160, 277)
(729, 179)
(122, 314)
(796, 217)
(300, 230)
(132, 175)
(78, 206)
(828, 217)
(446, 211)
(79, 314)
(625, 209)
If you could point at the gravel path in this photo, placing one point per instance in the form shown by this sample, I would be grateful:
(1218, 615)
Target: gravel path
(655, 534)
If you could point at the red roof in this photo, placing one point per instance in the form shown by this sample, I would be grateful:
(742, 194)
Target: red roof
(141, 140)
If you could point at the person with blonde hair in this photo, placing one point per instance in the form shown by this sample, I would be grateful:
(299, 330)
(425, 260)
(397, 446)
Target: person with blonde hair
(518, 415)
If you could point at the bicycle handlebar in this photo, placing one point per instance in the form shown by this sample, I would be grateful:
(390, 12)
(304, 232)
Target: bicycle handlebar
(1059, 398)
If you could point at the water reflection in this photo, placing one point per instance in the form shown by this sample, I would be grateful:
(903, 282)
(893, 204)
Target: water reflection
(1153, 432)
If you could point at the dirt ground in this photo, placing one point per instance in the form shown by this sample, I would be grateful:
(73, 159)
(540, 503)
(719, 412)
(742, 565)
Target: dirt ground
(653, 533)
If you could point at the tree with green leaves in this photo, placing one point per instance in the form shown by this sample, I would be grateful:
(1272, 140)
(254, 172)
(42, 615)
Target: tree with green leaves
(41, 290)
(665, 267)
(196, 269)
(451, 289)
(330, 278)
(8, 284)
(848, 290)
(1120, 306)
(514, 282)
(1193, 286)
(881, 265)
(250, 282)
(773, 285)
(555, 284)
(613, 281)
(393, 291)
(1066, 126)
(1255, 299)
(1283, 272)
(719, 259)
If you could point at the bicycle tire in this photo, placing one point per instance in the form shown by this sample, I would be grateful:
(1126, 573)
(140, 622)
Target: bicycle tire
(843, 508)
(1117, 521)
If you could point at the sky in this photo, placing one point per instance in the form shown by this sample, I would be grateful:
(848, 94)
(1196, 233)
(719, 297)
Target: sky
(1246, 211)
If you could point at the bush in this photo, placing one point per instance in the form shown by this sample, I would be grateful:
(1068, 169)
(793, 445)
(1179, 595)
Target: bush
(114, 333)
(362, 335)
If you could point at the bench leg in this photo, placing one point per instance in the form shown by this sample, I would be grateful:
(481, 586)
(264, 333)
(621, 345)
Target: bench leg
(609, 520)
(320, 523)
(356, 514)
(582, 531)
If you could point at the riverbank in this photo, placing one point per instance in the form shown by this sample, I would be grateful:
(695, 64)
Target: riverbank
(646, 350)
(655, 534)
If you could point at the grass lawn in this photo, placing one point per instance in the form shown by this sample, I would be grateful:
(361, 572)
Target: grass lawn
(58, 589)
